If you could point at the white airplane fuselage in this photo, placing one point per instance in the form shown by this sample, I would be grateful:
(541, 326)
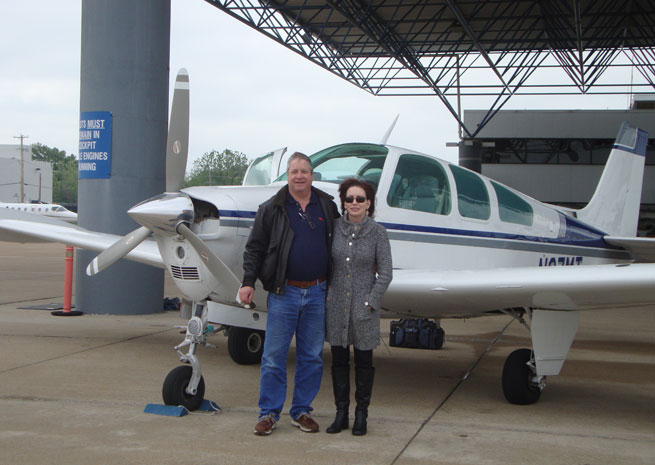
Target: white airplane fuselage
(455, 238)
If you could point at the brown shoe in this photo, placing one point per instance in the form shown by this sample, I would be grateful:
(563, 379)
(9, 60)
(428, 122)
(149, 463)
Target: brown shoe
(305, 423)
(265, 426)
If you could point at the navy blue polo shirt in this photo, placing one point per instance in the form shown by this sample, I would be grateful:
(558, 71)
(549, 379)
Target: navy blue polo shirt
(308, 257)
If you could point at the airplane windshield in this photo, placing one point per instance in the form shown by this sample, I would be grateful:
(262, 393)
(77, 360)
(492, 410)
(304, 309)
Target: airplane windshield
(363, 161)
(260, 171)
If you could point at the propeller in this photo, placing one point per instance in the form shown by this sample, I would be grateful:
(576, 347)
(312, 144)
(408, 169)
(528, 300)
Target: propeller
(172, 211)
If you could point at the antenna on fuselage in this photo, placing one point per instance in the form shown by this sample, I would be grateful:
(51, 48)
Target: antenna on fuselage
(388, 133)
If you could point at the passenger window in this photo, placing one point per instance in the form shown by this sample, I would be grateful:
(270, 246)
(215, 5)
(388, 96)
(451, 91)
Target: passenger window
(420, 184)
(511, 207)
(472, 195)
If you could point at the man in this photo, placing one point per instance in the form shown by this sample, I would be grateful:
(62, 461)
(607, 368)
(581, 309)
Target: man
(289, 251)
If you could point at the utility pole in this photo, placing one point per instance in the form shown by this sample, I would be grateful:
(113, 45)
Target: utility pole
(39, 170)
(22, 168)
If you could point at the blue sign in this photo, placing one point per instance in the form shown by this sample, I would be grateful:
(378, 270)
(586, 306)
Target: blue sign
(95, 145)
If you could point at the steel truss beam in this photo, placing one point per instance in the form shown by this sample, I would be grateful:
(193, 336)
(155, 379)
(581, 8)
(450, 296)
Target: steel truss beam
(453, 48)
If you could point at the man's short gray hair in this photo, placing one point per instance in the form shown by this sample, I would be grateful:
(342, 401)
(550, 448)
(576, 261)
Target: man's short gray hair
(299, 156)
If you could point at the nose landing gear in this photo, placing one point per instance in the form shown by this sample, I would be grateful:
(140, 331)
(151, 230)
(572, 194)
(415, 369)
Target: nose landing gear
(184, 385)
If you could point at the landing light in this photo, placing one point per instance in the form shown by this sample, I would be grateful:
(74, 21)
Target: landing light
(194, 327)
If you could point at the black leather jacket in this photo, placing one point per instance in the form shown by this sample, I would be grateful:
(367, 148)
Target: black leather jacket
(267, 249)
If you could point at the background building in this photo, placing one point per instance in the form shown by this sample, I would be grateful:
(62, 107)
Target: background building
(37, 176)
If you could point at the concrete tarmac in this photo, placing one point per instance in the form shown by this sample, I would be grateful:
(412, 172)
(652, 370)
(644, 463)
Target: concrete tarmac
(73, 391)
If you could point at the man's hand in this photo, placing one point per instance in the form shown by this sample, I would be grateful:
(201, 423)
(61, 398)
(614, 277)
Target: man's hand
(246, 293)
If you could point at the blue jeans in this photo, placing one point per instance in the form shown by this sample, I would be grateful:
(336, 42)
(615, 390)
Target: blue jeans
(299, 311)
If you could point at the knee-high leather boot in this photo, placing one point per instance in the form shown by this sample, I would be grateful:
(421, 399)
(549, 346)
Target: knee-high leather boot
(341, 388)
(364, 386)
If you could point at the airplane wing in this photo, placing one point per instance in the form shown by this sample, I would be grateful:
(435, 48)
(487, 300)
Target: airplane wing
(16, 226)
(642, 247)
(425, 293)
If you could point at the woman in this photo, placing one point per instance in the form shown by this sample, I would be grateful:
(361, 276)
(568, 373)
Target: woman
(361, 258)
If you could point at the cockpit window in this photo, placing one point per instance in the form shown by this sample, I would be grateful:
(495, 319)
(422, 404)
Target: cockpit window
(420, 183)
(472, 195)
(363, 161)
(260, 171)
(511, 207)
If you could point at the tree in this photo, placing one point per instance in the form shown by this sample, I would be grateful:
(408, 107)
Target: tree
(216, 168)
(64, 172)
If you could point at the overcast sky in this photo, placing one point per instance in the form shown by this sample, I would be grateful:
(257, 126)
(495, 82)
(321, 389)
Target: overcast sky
(247, 92)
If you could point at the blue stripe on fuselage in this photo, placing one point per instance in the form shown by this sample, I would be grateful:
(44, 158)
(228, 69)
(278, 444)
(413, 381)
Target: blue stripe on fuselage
(572, 233)
(576, 232)
(238, 213)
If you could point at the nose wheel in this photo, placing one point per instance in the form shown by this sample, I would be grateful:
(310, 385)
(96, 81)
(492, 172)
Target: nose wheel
(175, 386)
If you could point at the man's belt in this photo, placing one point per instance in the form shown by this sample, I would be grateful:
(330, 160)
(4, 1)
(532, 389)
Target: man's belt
(305, 284)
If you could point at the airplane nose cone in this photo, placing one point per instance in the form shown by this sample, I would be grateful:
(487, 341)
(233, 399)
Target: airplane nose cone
(164, 212)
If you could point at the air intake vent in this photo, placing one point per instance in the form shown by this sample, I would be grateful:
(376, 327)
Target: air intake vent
(187, 273)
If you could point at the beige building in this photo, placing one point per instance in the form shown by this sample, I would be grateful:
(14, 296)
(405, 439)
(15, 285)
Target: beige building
(37, 176)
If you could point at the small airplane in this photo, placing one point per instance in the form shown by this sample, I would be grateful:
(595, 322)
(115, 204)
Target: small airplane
(463, 246)
(51, 210)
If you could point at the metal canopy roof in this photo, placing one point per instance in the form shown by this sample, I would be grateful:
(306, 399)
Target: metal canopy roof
(467, 48)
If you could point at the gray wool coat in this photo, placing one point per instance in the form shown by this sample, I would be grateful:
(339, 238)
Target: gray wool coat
(352, 309)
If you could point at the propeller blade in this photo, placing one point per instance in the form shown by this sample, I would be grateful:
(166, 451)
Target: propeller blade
(177, 146)
(216, 266)
(117, 250)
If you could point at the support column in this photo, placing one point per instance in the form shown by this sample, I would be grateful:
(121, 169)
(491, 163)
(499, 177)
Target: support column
(124, 71)
(470, 155)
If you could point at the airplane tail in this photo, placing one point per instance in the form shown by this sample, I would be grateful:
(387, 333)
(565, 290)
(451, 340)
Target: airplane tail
(614, 207)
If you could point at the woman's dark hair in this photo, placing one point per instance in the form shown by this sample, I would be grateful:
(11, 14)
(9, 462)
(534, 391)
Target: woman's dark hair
(369, 190)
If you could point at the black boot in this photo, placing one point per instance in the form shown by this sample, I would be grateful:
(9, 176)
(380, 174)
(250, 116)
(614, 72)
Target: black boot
(341, 388)
(364, 386)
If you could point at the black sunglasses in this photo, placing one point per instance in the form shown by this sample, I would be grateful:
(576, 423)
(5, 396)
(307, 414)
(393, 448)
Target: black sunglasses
(359, 198)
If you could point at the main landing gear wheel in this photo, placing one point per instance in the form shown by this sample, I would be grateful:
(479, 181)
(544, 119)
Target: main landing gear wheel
(174, 389)
(518, 385)
(245, 345)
